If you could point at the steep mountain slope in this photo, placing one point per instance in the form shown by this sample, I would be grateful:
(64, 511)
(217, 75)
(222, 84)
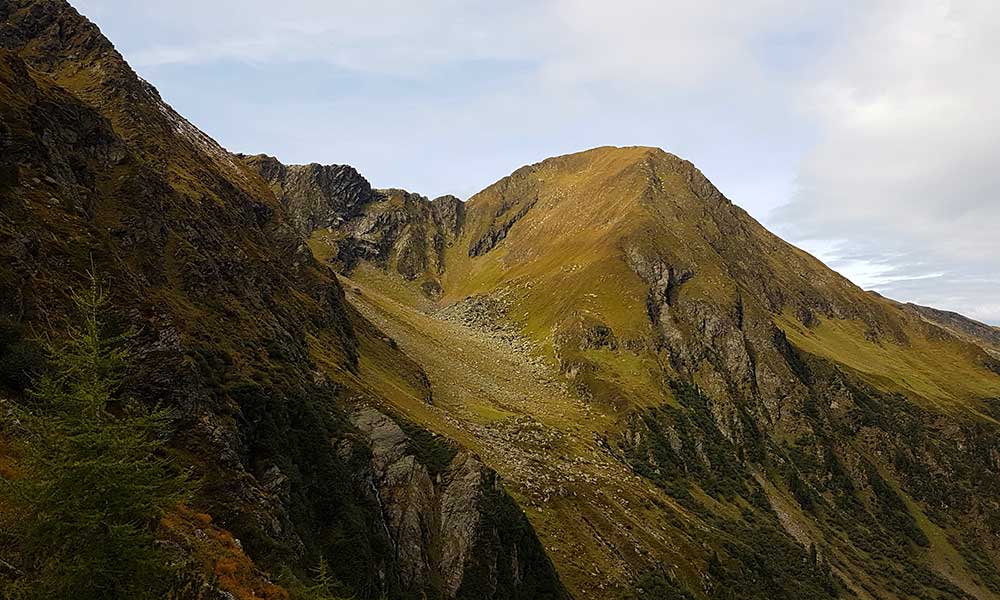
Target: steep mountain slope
(681, 399)
(683, 404)
(243, 333)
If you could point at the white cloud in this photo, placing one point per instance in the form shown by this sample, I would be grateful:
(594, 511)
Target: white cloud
(685, 44)
(682, 43)
(879, 114)
(905, 171)
(383, 36)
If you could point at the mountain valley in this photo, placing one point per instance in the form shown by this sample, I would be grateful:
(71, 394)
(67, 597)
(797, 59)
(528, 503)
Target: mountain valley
(596, 378)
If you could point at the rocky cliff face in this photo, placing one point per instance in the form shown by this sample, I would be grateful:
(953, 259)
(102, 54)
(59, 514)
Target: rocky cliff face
(454, 530)
(315, 196)
(347, 222)
(243, 331)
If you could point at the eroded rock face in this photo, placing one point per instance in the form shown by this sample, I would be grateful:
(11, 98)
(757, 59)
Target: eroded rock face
(395, 229)
(460, 519)
(449, 214)
(315, 196)
(455, 534)
(405, 494)
(499, 229)
(726, 346)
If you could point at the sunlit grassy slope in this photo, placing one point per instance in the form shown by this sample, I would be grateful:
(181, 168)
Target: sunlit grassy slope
(599, 521)
(568, 257)
(569, 245)
(939, 369)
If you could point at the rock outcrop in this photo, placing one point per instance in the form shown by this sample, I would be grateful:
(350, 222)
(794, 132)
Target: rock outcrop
(337, 210)
(315, 196)
(456, 533)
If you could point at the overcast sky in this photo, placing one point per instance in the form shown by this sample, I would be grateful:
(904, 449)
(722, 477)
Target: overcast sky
(866, 132)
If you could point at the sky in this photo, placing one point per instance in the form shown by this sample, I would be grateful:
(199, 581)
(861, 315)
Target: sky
(865, 132)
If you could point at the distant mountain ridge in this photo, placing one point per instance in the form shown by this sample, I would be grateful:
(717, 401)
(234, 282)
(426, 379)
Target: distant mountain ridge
(986, 336)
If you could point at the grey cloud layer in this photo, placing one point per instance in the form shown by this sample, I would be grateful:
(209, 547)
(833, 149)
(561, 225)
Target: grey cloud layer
(863, 131)
(905, 172)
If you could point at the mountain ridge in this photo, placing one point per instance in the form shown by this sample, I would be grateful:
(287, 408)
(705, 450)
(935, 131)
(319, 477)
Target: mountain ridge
(745, 343)
(982, 334)
(596, 378)
(649, 150)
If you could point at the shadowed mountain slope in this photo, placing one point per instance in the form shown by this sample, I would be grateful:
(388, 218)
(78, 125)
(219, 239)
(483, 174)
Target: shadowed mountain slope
(243, 333)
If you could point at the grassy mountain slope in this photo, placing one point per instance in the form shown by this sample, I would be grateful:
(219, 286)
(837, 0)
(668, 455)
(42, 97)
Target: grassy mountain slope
(242, 332)
(683, 404)
(611, 310)
(602, 224)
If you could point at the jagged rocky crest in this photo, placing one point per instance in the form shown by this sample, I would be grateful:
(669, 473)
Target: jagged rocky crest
(349, 222)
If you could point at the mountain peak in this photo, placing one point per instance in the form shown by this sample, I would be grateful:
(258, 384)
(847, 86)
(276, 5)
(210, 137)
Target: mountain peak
(608, 160)
(682, 403)
(634, 153)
